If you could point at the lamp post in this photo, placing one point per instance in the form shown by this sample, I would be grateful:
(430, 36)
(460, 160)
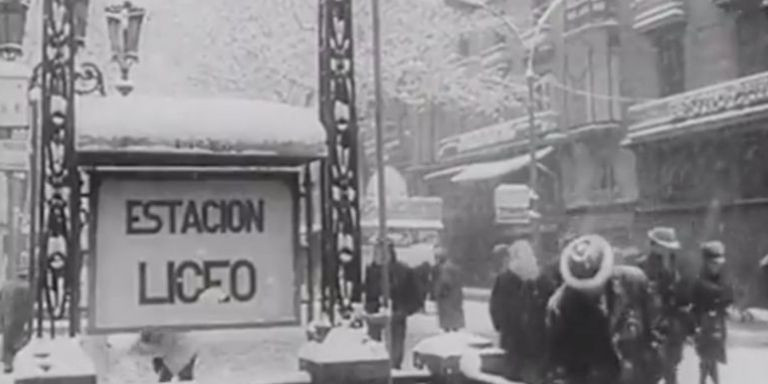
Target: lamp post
(530, 80)
(124, 24)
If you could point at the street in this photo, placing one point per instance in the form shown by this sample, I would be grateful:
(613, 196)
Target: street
(239, 356)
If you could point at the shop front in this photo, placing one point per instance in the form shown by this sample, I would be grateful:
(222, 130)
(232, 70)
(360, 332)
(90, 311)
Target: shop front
(482, 177)
(703, 169)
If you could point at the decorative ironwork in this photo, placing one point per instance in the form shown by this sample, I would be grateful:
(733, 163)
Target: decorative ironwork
(88, 79)
(338, 115)
(57, 278)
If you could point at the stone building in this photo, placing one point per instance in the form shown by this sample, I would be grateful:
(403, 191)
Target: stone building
(701, 142)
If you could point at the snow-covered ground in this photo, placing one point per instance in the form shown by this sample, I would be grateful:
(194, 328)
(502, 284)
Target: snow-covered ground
(243, 356)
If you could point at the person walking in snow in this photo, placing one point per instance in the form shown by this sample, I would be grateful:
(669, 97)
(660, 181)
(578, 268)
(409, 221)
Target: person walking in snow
(598, 322)
(712, 295)
(405, 303)
(669, 304)
(448, 292)
(517, 307)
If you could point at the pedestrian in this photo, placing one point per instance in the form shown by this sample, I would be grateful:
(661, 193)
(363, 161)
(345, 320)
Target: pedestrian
(669, 305)
(712, 295)
(16, 311)
(423, 273)
(448, 292)
(173, 354)
(517, 307)
(598, 324)
(405, 303)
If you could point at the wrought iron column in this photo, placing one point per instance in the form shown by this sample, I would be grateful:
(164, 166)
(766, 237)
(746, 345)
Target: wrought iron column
(58, 274)
(338, 115)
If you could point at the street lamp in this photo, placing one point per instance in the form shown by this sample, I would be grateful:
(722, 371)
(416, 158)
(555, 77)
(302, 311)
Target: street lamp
(13, 19)
(124, 24)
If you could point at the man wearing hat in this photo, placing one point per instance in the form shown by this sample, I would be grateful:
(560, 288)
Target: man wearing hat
(16, 310)
(712, 295)
(598, 322)
(668, 303)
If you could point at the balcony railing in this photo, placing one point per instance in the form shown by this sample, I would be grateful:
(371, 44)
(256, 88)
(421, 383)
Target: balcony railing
(580, 14)
(650, 15)
(732, 100)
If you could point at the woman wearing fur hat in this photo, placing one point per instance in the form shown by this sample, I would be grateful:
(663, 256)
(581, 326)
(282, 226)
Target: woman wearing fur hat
(598, 322)
(711, 297)
(518, 305)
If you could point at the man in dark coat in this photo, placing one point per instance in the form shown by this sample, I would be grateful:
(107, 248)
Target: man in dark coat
(16, 310)
(518, 305)
(448, 292)
(598, 320)
(669, 305)
(712, 295)
(405, 302)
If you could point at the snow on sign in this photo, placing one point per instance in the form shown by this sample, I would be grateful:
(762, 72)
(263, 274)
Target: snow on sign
(193, 253)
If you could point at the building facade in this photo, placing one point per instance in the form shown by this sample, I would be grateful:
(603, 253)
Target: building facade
(701, 141)
(591, 44)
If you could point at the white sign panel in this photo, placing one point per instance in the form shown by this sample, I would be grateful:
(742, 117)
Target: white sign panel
(190, 254)
(512, 203)
(13, 102)
(14, 155)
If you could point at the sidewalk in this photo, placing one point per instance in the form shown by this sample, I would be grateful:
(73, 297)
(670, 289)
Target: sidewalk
(753, 334)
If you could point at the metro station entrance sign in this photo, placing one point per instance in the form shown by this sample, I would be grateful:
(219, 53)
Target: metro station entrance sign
(193, 250)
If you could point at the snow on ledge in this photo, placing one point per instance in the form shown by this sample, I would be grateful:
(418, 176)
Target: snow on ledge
(139, 123)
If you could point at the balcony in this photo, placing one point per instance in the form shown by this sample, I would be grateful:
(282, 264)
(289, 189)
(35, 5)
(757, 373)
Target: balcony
(494, 137)
(740, 5)
(650, 15)
(585, 14)
(726, 103)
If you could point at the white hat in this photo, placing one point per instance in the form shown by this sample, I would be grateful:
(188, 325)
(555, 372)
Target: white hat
(587, 262)
(665, 236)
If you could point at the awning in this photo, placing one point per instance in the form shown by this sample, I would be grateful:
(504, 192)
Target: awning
(444, 172)
(494, 169)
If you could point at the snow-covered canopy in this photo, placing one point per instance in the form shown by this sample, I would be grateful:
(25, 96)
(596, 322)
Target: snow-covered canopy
(154, 124)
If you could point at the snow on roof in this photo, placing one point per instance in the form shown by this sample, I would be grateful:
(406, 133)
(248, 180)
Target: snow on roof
(205, 125)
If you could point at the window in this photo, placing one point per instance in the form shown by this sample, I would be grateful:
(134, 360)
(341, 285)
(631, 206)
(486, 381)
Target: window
(607, 181)
(670, 62)
(752, 42)
(464, 45)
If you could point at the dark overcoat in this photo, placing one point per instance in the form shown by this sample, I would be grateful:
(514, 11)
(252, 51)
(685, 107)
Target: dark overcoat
(449, 296)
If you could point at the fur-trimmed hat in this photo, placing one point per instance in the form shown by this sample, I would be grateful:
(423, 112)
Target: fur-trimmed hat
(587, 262)
(664, 236)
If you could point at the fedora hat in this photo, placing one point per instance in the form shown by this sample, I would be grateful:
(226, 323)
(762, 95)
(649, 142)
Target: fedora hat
(587, 262)
(712, 250)
(664, 236)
